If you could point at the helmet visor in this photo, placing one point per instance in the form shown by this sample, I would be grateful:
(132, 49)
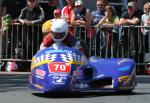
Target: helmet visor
(58, 35)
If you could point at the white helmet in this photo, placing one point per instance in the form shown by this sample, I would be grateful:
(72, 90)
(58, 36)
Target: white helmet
(59, 30)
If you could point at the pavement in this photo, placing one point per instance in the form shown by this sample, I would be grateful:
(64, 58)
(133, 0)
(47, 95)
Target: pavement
(4, 72)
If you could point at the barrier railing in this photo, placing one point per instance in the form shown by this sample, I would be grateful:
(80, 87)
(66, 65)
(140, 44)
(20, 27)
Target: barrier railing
(20, 42)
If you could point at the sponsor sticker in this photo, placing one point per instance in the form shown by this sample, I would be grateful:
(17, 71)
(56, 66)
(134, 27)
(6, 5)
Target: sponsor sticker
(40, 73)
(58, 78)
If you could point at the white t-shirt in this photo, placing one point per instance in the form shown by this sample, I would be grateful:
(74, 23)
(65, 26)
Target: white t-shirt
(144, 20)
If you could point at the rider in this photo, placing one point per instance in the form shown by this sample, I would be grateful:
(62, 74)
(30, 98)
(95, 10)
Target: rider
(59, 33)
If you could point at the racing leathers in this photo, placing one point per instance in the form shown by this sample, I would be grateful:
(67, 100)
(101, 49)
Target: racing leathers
(70, 41)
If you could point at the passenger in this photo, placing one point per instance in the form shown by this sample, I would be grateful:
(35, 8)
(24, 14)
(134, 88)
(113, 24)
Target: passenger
(59, 33)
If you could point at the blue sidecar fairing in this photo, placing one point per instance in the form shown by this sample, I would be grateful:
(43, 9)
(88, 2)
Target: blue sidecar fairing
(61, 68)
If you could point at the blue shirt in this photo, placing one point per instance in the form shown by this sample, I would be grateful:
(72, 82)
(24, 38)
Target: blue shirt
(97, 16)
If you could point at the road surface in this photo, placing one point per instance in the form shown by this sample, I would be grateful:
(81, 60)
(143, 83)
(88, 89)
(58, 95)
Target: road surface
(14, 89)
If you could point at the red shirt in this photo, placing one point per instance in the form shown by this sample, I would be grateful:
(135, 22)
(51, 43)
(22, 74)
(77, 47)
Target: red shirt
(67, 12)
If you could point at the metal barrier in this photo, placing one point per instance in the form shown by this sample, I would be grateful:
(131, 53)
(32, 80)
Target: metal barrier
(21, 42)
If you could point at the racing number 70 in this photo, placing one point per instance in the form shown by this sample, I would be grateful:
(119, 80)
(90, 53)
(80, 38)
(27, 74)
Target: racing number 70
(59, 67)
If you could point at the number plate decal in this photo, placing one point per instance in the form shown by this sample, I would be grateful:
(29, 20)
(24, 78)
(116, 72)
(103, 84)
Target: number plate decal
(56, 67)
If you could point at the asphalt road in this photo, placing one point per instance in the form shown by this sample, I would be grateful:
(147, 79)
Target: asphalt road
(14, 89)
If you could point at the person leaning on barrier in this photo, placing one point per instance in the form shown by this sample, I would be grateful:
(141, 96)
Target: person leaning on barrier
(145, 17)
(148, 22)
(108, 22)
(81, 15)
(59, 34)
(110, 18)
(99, 13)
(32, 14)
(131, 17)
(81, 18)
(144, 22)
(12, 8)
(67, 13)
(67, 10)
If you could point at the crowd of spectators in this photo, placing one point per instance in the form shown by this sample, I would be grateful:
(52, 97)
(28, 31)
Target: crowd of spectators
(76, 13)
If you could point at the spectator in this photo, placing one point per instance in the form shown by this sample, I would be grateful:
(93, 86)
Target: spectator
(81, 15)
(57, 13)
(30, 15)
(99, 13)
(46, 27)
(110, 20)
(145, 17)
(49, 9)
(82, 18)
(67, 10)
(67, 13)
(146, 31)
(131, 17)
(12, 7)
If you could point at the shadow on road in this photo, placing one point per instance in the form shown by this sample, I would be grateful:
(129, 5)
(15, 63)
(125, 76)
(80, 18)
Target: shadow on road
(15, 82)
(83, 94)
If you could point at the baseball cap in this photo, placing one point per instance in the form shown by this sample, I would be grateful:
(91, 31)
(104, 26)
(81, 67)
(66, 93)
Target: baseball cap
(57, 11)
(78, 3)
(132, 4)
